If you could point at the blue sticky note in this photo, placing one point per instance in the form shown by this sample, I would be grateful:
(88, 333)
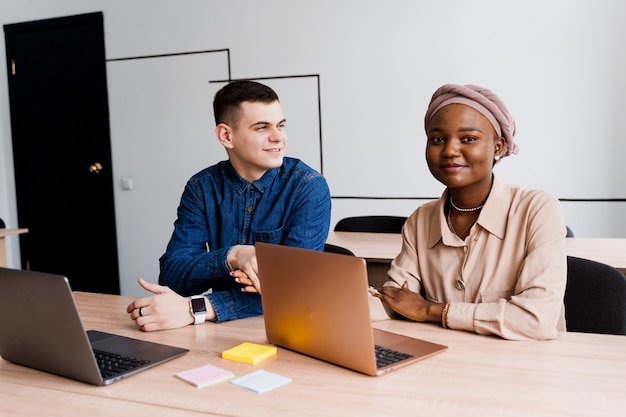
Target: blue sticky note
(261, 381)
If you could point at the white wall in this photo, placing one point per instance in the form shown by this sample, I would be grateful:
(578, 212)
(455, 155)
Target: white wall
(558, 65)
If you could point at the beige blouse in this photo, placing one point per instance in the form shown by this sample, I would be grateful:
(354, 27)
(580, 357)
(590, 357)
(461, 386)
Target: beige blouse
(507, 278)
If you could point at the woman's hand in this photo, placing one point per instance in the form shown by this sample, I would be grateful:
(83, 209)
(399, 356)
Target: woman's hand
(410, 304)
(243, 279)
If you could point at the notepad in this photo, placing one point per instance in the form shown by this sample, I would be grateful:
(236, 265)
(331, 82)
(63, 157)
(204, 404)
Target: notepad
(249, 352)
(205, 375)
(261, 381)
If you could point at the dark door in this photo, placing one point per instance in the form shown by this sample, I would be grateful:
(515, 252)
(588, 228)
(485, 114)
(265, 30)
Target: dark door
(61, 149)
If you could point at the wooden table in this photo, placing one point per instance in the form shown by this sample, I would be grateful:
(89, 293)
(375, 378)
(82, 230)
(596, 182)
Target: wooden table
(374, 247)
(379, 249)
(611, 251)
(575, 375)
(3, 248)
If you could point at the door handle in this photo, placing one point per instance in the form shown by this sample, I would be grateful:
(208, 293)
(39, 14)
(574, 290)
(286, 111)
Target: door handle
(95, 168)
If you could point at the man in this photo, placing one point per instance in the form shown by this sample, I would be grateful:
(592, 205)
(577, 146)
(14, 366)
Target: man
(258, 194)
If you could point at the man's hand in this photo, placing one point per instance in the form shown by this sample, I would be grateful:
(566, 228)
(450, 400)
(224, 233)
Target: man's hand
(243, 259)
(163, 310)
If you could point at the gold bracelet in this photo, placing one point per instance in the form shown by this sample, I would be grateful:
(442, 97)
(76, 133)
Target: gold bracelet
(444, 316)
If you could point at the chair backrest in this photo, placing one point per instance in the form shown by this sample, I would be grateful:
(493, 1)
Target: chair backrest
(595, 297)
(328, 247)
(2, 225)
(569, 232)
(372, 224)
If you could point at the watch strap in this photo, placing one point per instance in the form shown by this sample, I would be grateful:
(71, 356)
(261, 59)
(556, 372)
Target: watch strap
(199, 315)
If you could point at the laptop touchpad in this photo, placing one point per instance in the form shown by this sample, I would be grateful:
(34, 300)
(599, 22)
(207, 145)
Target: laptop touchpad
(118, 344)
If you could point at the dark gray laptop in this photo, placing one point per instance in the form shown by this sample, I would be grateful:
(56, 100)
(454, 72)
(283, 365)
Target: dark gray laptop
(40, 328)
(316, 303)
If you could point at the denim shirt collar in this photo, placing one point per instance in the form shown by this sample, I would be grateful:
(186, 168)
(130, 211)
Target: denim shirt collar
(241, 185)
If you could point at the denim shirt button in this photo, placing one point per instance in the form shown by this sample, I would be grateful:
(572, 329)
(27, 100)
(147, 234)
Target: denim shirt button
(250, 209)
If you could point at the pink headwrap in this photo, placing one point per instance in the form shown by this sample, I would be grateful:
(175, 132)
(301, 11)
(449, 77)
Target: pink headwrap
(481, 100)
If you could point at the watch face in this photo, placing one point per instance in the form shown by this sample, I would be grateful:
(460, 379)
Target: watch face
(198, 305)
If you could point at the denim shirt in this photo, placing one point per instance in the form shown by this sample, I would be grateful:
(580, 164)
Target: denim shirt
(289, 205)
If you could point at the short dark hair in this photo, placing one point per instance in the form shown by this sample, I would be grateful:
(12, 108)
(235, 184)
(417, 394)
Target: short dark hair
(228, 99)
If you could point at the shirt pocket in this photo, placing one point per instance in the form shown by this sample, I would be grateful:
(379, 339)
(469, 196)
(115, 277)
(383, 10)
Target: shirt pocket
(272, 236)
(491, 296)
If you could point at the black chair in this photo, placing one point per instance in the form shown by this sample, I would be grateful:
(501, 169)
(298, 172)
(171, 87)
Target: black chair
(337, 249)
(372, 224)
(569, 232)
(2, 225)
(595, 297)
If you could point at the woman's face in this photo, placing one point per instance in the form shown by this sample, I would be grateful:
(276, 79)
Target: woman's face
(461, 147)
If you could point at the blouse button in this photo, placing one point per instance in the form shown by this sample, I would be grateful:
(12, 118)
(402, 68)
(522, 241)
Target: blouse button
(250, 209)
(460, 285)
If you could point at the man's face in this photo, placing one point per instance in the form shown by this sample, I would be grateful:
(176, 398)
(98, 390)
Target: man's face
(258, 141)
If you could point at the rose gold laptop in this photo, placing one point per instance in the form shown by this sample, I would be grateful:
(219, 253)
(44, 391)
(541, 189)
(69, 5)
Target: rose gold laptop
(316, 303)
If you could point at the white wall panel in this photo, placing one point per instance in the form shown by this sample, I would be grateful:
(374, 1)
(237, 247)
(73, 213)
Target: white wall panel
(557, 64)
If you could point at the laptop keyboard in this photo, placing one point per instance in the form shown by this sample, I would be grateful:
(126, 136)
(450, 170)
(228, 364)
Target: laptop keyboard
(112, 365)
(386, 356)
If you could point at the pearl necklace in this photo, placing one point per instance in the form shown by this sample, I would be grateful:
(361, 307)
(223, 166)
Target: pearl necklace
(465, 209)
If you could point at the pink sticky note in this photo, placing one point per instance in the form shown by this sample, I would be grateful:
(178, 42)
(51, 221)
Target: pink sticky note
(205, 375)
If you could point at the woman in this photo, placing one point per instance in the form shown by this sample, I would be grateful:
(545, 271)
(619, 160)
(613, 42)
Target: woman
(486, 257)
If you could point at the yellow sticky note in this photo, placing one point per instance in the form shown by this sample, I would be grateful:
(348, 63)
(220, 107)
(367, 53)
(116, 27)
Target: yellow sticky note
(249, 352)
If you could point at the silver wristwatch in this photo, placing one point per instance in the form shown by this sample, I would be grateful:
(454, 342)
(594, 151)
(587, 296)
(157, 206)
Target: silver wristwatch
(198, 308)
